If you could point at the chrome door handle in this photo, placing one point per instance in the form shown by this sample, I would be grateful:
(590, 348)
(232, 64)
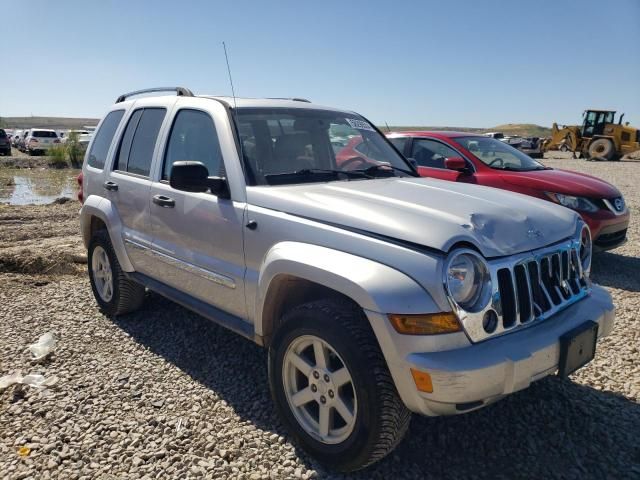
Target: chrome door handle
(112, 186)
(163, 201)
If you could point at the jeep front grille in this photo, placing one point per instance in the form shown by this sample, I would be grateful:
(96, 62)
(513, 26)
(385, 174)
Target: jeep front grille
(538, 286)
(530, 287)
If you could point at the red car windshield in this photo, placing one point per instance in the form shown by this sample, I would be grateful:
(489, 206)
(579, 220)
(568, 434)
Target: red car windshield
(499, 155)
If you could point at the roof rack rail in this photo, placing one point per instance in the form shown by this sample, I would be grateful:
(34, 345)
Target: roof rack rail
(180, 91)
(295, 99)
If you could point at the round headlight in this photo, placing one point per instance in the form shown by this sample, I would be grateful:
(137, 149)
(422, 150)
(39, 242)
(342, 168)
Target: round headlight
(467, 278)
(586, 249)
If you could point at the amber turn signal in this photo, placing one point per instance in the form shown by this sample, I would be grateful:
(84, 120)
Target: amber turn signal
(422, 381)
(425, 324)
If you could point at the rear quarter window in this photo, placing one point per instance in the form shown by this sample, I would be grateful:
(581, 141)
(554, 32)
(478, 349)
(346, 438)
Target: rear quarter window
(103, 139)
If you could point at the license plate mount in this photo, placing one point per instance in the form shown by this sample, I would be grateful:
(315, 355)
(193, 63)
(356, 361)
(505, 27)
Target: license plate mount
(577, 348)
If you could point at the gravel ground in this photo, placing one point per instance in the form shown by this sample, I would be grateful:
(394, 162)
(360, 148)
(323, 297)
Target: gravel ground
(164, 393)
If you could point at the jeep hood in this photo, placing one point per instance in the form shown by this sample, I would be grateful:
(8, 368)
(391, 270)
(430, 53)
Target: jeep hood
(427, 212)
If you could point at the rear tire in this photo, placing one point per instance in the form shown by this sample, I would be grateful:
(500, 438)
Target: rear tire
(114, 292)
(602, 148)
(365, 418)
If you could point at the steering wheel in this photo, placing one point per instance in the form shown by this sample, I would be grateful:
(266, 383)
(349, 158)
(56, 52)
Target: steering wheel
(495, 160)
(353, 161)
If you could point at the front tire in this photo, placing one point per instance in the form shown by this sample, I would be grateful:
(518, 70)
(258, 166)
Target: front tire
(114, 292)
(602, 148)
(332, 387)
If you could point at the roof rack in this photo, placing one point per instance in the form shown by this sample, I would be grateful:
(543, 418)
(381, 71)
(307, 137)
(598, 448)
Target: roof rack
(295, 99)
(180, 91)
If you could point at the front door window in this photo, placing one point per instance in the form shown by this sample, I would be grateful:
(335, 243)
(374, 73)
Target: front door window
(430, 153)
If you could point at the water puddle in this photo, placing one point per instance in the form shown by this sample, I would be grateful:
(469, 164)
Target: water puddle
(37, 185)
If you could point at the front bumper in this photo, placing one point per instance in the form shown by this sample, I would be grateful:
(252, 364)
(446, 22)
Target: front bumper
(608, 230)
(611, 236)
(41, 147)
(478, 374)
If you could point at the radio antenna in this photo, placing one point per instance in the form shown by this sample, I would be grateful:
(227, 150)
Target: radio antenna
(235, 107)
(233, 92)
(388, 129)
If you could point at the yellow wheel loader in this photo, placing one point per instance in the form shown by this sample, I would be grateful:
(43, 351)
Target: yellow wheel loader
(598, 138)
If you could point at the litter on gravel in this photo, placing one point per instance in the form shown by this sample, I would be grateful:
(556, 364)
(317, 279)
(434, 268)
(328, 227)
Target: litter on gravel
(43, 347)
(34, 380)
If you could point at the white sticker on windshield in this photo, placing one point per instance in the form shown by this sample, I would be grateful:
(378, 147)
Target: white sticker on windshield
(360, 124)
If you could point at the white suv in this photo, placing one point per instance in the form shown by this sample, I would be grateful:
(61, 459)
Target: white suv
(377, 293)
(39, 140)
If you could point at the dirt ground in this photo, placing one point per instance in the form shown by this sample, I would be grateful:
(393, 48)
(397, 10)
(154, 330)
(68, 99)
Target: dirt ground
(41, 239)
(163, 392)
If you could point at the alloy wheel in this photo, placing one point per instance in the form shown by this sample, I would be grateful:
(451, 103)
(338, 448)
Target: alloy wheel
(319, 389)
(102, 275)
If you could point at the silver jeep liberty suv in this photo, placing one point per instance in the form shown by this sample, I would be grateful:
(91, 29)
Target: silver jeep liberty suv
(376, 292)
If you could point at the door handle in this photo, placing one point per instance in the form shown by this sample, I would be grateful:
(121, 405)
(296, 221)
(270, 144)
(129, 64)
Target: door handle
(163, 201)
(112, 186)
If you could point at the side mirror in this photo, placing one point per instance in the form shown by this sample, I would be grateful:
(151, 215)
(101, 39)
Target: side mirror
(219, 187)
(189, 176)
(413, 162)
(194, 177)
(455, 163)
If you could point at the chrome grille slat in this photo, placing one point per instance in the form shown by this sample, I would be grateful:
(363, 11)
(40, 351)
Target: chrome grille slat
(541, 284)
(541, 279)
(526, 271)
(516, 297)
(526, 298)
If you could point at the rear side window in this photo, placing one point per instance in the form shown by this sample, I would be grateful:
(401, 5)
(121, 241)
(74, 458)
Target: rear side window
(139, 140)
(103, 139)
(125, 144)
(193, 137)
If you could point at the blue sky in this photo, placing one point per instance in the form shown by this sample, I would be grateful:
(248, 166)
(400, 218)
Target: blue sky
(457, 63)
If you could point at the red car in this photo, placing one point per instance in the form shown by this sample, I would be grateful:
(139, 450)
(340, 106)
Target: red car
(465, 157)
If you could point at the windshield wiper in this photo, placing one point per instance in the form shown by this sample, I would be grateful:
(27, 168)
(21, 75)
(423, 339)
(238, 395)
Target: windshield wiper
(288, 177)
(380, 167)
(510, 169)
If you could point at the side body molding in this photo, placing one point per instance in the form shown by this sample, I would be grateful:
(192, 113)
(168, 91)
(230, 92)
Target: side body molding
(102, 208)
(373, 286)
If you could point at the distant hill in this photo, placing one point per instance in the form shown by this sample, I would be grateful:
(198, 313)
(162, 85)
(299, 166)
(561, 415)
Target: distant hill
(54, 123)
(521, 129)
(63, 123)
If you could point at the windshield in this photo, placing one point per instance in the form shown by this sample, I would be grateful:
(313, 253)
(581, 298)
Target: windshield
(499, 155)
(294, 145)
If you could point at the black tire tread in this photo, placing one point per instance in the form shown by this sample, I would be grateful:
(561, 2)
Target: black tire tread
(609, 155)
(129, 294)
(394, 416)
